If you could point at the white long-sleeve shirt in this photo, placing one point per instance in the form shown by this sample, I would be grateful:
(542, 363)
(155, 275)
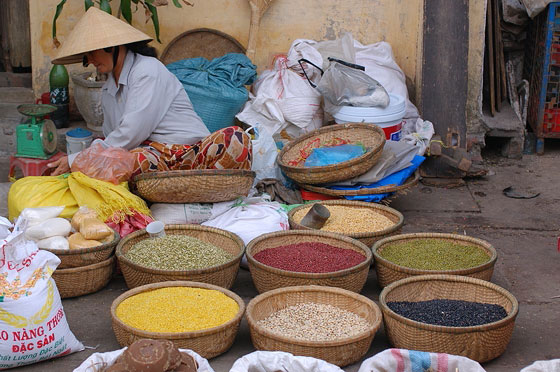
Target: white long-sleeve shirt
(149, 103)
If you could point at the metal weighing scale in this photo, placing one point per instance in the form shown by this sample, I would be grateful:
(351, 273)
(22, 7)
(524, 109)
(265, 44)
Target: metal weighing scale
(36, 136)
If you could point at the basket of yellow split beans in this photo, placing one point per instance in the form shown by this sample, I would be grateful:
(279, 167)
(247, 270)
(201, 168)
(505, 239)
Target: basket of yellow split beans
(197, 316)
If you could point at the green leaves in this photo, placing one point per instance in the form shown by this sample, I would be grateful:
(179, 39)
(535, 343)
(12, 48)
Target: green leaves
(153, 10)
(88, 4)
(56, 14)
(177, 3)
(104, 6)
(126, 11)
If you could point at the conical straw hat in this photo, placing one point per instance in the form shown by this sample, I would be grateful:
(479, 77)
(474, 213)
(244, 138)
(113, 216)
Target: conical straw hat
(96, 30)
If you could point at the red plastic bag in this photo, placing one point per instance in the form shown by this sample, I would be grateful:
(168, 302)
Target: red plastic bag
(136, 222)
(107, 164)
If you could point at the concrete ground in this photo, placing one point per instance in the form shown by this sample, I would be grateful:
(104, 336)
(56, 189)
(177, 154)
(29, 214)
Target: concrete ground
(524, 232)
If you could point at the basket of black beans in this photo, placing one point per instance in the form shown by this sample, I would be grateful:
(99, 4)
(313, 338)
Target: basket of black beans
(449, 314)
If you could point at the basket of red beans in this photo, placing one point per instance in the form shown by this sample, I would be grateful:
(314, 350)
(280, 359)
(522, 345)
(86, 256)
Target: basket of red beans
(308, 257)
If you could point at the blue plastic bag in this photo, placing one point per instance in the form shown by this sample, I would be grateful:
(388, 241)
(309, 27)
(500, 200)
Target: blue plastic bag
(216, 88)
(397, 178)
(333, 155)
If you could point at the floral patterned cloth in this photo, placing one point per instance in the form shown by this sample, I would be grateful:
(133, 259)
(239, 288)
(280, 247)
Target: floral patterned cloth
(227, 148)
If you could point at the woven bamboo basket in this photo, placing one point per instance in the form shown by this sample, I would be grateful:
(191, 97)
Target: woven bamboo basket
(481, 343)
(267, 278)
(367, 238)
(79, 257)
(389, 272)
(340, 352)
(410, 182)
(194, 186)
(371, 136)
(221, 275)
(79, 281)
(209, 343)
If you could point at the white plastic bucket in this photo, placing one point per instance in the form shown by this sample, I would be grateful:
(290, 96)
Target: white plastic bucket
(390, 119)
(77, 140)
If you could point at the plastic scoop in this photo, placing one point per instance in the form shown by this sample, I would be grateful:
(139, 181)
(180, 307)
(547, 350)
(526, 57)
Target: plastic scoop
(316, 217)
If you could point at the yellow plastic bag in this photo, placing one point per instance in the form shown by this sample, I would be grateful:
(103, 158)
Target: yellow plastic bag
(81, 214)
(94, 229)
(44, 191)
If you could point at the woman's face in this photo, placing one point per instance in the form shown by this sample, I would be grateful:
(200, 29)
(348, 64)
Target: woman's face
(102, 60)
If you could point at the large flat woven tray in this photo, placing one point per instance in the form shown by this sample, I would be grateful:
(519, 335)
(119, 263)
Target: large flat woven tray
(410, 182)
(194, 186)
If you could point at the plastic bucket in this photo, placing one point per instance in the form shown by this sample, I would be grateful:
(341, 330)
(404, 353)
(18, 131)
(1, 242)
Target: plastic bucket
(390, 119)
(77, 140)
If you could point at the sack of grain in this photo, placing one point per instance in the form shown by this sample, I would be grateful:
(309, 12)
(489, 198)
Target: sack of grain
(33, 325)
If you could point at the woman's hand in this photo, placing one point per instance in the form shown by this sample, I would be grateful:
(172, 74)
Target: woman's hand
(61, 166)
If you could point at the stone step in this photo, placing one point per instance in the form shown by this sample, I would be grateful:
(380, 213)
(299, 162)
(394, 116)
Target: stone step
(17, 95)
(10, 79)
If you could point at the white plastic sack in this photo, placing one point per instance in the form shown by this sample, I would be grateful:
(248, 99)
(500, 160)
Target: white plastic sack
(35, 216)
(341, 48)
(552, 365)
(252, 217)
(97, 362)
(51, 227)
(303, 48)
(278, 361)
(264, 154)
(196, 213)
(411, 361)
(417, 132)
(5, 226)
(33, 325)
(54, 242)
(283, 100)
(380, 64)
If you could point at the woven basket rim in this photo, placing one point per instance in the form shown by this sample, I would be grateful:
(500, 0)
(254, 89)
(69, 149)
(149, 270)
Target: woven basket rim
(301, 275)
(350, 203)
(482, 244)
(184, 227)
(446, 329)
(95, 266)
(315, 288)
(410, 182)
(78, 251)
(195, 172)
(334, 167)
(178, 335)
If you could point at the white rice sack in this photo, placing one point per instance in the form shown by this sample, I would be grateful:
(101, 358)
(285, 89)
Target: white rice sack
(37, 215)
(46, 229)
(33, 325)
(54, 242)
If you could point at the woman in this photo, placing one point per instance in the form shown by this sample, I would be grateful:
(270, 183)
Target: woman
(145, 104)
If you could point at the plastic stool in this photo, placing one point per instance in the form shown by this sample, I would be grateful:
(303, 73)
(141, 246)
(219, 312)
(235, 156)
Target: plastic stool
(31, 166)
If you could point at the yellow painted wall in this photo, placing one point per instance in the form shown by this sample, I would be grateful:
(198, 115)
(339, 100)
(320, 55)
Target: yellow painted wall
(477, 28)
(395, 21)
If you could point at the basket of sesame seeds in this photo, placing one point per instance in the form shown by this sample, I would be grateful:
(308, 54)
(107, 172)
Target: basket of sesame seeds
(401, 256)
(187, 252)
(197, 316)
(308, 257)
(366, 222)
(449, 314)
(327, 323)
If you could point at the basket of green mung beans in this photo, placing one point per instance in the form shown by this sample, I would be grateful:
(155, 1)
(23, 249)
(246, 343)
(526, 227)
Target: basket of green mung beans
(450, 314)
(187, 252)
(401, 256)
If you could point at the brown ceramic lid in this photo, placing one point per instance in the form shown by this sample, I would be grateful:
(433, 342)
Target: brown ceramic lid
(147, 356)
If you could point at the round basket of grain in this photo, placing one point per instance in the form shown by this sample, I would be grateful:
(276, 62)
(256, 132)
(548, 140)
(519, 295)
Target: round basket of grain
(197, 316)
(186, 252)
(194, 186)
(401, 256)
(293, 156)
(79, 281)
(308, 257)
(449, 314)
(327, 323)
(366, 222)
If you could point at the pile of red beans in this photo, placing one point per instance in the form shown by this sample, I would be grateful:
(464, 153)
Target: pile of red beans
(310, 257)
